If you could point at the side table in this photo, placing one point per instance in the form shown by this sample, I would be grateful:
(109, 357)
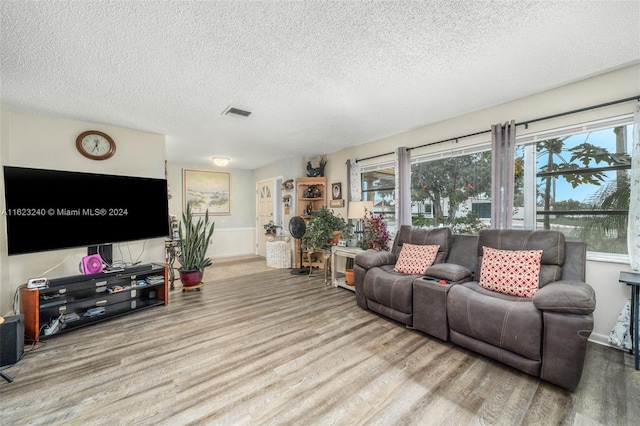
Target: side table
(633, 279)
(338, 268)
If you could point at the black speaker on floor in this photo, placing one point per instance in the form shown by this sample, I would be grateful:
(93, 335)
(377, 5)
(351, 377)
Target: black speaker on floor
(11, 340)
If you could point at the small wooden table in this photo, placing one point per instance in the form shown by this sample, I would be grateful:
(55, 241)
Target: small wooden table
(337, 268)
(633, 279)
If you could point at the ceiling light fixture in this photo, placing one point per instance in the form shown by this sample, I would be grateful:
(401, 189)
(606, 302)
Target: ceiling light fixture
(220, 161)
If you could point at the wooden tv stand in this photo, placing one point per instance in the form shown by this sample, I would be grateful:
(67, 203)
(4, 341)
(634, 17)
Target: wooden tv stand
(71, 302)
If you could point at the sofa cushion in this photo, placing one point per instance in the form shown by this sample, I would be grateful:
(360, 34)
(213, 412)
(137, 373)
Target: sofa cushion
(390, 289)
(415, 259)
(552, 244)
(515, 272)
(424, 236)
(507, 322)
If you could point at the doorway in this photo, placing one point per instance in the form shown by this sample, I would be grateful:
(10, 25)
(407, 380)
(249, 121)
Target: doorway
(267, 208)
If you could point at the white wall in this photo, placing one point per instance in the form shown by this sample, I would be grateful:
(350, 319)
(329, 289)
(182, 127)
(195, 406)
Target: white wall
(601, 274)
(49, 143)
(289, 168)
(234, 234)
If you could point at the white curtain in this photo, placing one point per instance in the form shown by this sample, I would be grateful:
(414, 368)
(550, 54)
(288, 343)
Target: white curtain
(403, 187)
(503, 142)
(355, 180)
(633, 234)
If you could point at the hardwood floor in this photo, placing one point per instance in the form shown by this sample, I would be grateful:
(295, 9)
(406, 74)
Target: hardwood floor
(275, 348)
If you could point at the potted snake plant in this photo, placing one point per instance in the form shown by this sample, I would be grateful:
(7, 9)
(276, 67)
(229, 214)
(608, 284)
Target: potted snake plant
(195, 236)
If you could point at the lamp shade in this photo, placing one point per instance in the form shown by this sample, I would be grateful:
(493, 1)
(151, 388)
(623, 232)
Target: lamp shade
(357, 209)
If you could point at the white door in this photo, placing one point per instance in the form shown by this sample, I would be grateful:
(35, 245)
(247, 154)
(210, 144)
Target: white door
(265, 193)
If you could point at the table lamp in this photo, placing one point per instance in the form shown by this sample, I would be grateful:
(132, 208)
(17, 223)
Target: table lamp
(356, 211)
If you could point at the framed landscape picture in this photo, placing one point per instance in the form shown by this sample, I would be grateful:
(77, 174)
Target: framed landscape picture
(206, 190)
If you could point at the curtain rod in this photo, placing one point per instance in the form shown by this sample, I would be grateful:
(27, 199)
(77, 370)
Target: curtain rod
(548, 117)
(524, 123)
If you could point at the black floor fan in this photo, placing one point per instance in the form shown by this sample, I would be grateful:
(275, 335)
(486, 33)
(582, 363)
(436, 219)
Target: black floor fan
(297, 228)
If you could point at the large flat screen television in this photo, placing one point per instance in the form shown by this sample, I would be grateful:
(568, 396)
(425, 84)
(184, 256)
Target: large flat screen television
(53, 209)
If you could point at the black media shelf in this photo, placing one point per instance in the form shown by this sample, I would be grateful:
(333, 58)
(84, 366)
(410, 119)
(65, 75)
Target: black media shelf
(68, 303)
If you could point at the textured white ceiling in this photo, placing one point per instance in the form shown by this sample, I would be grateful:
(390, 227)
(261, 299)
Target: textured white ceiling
(317, 75)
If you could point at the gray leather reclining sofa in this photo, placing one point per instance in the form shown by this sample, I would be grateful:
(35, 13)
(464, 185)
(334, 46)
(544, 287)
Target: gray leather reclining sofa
(545, 335)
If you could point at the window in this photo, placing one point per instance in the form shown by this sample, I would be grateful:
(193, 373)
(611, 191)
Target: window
(582, 182)
(481, 210)
(457, 190)
(421, 209)
(574, 179)
(378, 185)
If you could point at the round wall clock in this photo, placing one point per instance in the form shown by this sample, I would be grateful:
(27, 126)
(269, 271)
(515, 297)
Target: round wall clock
(95, 145)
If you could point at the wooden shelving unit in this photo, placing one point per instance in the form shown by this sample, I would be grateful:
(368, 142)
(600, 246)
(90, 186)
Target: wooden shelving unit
(311, 195)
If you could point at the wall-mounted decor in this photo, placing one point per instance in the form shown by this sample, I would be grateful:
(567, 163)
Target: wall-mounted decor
(287, 184)
(336, 203)
(317, 171)
(206, 190)
(336, 191)
(286, 203)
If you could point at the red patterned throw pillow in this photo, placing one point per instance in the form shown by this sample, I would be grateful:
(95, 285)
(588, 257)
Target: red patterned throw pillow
(415, 259)
(514, 272)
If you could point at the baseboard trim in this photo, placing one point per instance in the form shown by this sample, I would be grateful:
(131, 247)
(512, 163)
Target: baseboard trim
(603, 340)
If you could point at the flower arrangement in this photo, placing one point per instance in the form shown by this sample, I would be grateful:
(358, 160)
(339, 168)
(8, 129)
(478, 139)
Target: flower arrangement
(375, 235)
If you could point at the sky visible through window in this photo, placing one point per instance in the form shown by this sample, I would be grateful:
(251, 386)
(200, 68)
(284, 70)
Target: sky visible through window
(606, 139)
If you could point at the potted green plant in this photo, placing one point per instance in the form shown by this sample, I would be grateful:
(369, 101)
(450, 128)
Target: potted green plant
(324, 229)
(195, 236)
(271, 228)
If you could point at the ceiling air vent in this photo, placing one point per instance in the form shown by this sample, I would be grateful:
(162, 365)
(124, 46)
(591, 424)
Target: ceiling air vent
(237, 112)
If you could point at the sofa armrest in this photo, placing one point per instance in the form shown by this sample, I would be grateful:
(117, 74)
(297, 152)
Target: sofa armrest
(570, 297)
(371, 259)
(449, 272)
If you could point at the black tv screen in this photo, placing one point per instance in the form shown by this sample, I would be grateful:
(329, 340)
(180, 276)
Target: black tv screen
(53, 209)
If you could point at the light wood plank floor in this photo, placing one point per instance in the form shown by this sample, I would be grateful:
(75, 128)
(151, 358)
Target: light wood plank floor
(275, 348)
